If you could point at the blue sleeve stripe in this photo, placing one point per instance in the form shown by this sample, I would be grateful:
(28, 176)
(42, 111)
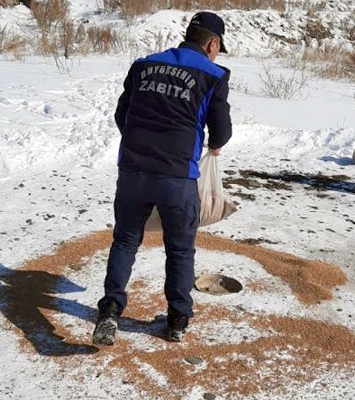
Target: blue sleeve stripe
(184, 57)
(194, 171)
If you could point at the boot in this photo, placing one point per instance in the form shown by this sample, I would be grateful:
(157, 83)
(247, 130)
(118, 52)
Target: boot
(107, 324)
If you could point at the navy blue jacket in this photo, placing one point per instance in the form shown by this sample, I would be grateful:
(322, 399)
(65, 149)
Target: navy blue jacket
(167, 100)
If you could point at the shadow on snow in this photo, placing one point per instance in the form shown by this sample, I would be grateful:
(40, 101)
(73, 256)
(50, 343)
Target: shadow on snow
(342, 161)
(23, 293)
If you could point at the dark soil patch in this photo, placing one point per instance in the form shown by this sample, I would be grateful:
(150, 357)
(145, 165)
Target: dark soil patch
(319, 181)
(244, 196)
(253, 241)
(251, 184)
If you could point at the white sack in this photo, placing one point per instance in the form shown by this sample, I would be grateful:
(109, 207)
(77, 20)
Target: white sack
(215, 206)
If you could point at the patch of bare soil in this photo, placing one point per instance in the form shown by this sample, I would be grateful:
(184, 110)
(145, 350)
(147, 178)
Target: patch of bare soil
(246, 180)
(253, 241)
(244, 196)
(286, 349)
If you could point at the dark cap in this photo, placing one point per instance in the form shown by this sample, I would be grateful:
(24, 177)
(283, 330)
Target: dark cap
(212, 22)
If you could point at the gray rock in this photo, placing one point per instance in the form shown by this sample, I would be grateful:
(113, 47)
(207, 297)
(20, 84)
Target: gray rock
(194, 360)
(209, 396)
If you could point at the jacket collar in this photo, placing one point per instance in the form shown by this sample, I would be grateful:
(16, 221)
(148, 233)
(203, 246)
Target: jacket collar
(193, 46)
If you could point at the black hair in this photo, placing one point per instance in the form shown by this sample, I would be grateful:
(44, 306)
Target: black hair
(198, 35)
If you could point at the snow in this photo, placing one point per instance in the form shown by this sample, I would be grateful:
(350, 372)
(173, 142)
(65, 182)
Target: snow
(58, 152)
(333, 106)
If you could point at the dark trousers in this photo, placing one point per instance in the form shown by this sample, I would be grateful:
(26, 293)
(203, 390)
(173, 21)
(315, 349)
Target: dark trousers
(178, 204)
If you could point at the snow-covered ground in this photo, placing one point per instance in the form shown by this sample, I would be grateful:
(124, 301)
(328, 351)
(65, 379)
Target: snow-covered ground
(288, 166)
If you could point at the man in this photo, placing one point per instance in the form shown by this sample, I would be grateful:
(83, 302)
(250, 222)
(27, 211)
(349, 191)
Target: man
(167, 100)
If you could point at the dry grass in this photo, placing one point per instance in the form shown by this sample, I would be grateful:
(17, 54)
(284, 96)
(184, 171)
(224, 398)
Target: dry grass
(56, 29)
(279, 5)
(326, 53)
(314, 8)
(131, 8)
(108, 6)
(321, 55)
(280, 86)
(11, 43)
(350, 58)
(331, 62)
(8, 3)
(311, 8)
(103, 39)
(60, 37)
(351, 33)
(67, 38)
(315, 30)
(238, 85)
(50, 13)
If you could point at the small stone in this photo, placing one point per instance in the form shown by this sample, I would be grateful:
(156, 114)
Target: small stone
(75, 267)
(109, 226)
(194, 360)
(21, 185)
(209, 396)
(82, 211)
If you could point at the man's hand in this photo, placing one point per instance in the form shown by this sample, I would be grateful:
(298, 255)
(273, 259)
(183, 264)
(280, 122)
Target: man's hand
(215, 152)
